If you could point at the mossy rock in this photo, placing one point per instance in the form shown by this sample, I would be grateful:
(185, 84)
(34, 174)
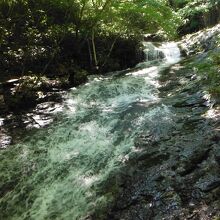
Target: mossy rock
(78, 77)
(24, 94)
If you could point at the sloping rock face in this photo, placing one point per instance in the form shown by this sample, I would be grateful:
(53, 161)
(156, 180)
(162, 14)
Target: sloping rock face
(174, 172)
(201, 41)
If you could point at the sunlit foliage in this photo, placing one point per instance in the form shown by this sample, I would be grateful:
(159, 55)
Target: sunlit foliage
(31, 29)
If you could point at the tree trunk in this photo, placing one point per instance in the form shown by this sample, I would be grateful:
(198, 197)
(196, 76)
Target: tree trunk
(110, 51)
(94, 51)
(90, 53)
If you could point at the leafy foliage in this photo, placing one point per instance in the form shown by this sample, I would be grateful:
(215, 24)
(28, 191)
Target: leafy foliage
(33, 32)
(196, 14)
(209, 70)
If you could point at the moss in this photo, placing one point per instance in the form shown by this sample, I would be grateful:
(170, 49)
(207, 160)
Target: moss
(208, 67)
(214, 90)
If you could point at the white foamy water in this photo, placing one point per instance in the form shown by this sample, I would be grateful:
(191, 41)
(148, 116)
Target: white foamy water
(171, 52)
(64, 168)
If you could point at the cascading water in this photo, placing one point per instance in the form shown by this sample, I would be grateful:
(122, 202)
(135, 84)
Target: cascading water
(60, 171)
(171, 52)
(152, 53)
(168, 51)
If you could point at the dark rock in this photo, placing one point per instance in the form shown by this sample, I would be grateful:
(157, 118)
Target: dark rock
(78, 77)
(20, 100)
(217, 155)
(153, 38)
(190, 101)
(216, 138)
(190, 163)
(209, 183)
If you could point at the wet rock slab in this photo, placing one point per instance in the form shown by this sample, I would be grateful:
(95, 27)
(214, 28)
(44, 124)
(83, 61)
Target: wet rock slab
(175, 174)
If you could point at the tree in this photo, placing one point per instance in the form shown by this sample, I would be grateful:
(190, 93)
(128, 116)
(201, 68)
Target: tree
(196, 14)
(87, 21)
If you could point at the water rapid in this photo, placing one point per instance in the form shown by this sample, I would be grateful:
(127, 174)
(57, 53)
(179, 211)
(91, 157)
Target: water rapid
(60, 171)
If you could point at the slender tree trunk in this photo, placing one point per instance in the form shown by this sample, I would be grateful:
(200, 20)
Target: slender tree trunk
(50, 61)
(90, 53)
(94, 50)
(110, 51)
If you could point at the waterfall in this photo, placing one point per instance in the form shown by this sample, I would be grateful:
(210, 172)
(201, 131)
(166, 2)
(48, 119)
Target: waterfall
(171, 52)
(167, 51)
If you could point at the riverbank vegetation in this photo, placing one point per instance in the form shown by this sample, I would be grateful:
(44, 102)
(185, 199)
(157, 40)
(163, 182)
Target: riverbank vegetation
(196, 14)
(56, 37)
(68, 40)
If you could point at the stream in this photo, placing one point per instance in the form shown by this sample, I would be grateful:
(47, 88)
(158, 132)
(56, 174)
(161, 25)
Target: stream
(70, 169)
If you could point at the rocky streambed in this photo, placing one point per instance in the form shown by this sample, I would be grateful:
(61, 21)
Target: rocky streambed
(139, 145)
(175, 171)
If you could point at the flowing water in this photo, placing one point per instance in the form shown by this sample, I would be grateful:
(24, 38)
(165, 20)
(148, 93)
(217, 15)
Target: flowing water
(58, 172)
